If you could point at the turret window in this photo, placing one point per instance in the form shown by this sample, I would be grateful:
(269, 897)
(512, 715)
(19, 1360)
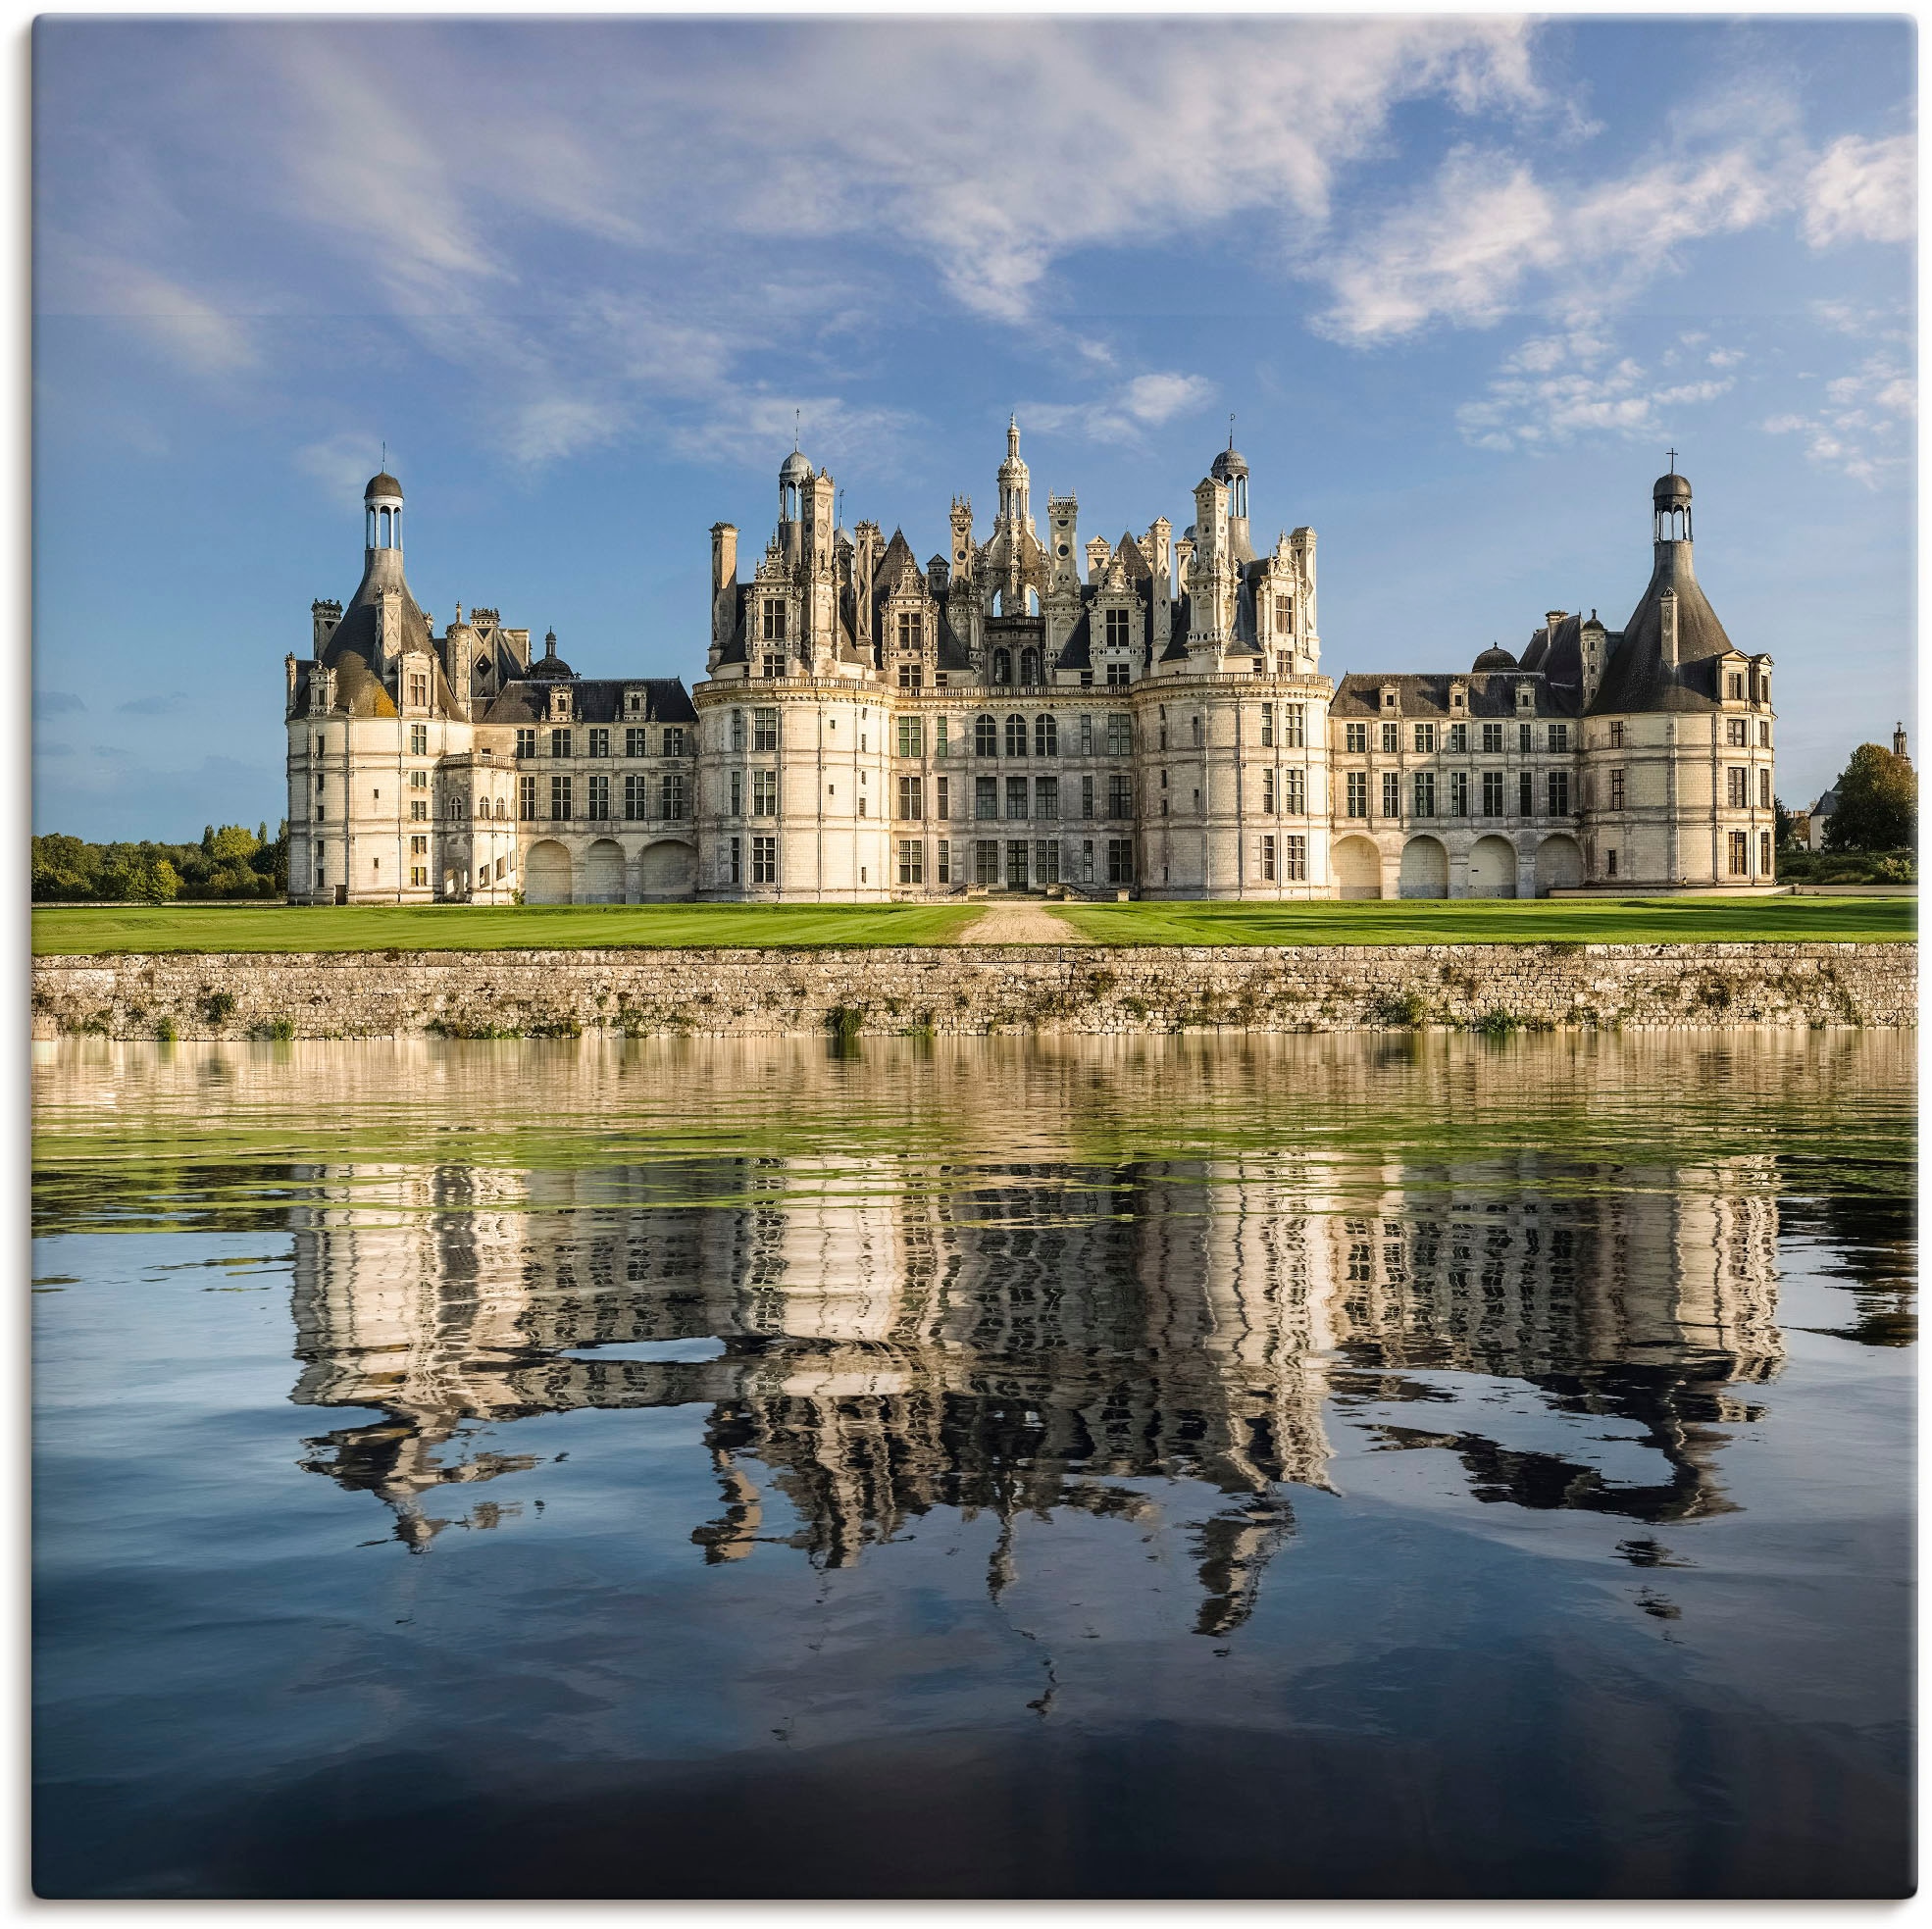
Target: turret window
(1297, 801)
(764, 729)
(1283, 614)
(1736, 731)
(912, 676)
(912, 630)
(1734, 687)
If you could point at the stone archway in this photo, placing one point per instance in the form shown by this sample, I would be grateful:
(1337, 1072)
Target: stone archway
(1425, 869)
(603, 873)
(1493, 868)
(1358, 866)
(667, 869)
(1559, 863)
(546, 873)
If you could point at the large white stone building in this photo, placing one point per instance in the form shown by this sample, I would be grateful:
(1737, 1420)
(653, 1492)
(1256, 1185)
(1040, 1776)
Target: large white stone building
(1024, 713)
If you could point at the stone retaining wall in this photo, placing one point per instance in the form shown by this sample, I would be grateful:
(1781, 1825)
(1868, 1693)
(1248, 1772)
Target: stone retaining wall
(1092, 989)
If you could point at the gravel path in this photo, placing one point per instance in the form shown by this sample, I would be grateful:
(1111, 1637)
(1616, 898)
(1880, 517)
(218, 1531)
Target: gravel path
(1019, 923)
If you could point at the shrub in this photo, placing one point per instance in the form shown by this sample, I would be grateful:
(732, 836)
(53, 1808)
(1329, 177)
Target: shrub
(218, 1007)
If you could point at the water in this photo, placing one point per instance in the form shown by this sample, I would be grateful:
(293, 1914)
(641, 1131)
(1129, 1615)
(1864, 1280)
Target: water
(1301, 1466)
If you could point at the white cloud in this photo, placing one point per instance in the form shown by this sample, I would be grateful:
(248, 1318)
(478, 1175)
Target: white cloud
(1466, 250)
(1864, 430)
(1126, 413)
(343, 462)
(1863, 190)
(1555, 388)
(746, 425)
(187, 327)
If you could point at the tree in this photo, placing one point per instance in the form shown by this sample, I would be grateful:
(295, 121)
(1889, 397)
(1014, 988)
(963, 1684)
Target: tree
(1877, 802)
(1781, 823)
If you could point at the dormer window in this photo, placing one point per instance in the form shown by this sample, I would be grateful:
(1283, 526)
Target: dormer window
(418, 689)
(1283, 614)
(1459, 697)
(774, 621)
(1119, 629)
(1734, 687)
(912, 630)
(634, 703)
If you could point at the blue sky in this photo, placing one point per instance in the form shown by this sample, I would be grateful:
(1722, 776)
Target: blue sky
(1461, 280)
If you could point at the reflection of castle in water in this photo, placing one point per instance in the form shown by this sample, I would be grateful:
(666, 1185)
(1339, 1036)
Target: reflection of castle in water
(1027, 1336)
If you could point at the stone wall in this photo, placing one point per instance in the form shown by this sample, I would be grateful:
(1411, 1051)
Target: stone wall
(1089, 988)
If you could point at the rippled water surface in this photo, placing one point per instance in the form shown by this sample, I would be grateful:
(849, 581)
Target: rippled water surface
(1305, 1466)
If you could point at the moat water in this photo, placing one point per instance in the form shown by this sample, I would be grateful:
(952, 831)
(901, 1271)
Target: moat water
(1327, 1467)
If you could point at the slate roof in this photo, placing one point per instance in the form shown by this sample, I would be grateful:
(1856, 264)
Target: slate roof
(597, 700)
(1491, 697)
(1637, 677)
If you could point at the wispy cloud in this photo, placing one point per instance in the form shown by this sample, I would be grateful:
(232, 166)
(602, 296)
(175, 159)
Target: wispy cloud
(1487, 238)
(1557, 388)
(1125, 413)
(1864, 425)
(55, 702)
(1863, 190)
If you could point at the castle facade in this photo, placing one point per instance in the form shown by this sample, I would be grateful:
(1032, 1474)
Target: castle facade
(1025, 712)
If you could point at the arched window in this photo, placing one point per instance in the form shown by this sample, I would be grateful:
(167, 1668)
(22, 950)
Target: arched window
(1016, 736)
(1030, 667)
(502, 807)
(1033, 602)
(1045, 736)
(986, 736)
(1002, 666)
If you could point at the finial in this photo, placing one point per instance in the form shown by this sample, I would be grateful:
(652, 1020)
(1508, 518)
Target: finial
(1231, 432)
(1673, 462)
(550, 643)
(798, 427)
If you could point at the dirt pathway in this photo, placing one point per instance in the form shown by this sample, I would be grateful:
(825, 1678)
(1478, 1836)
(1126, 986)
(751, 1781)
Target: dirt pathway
(1019, 922)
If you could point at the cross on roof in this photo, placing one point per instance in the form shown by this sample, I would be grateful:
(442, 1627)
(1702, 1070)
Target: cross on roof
(1673, 462)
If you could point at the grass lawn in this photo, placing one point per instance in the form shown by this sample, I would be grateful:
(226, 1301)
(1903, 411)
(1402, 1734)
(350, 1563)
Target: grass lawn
(1493, 921)
(85, 930)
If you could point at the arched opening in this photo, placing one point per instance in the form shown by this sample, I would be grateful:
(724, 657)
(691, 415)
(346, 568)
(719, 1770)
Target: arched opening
(1559, 863)
(1493, 868)
(1425, 869)
(546, 873)
(667, 870)
(1033, 601)
(1357, 867)
(1030, 666)
(1002, 666)
(603, 873)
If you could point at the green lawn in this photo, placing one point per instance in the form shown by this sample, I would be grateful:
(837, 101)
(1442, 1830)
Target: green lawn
(574, 927)
(1490, 921)
(483, 927)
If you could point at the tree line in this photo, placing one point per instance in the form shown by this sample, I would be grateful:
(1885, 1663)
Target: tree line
(229, 862)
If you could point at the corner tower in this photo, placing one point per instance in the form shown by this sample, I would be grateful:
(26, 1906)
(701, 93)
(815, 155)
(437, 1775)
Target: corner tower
(1678, 773)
